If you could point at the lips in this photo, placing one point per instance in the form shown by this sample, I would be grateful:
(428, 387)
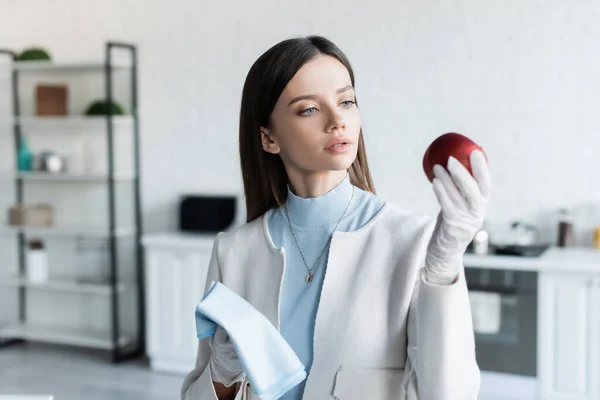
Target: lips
(337, 142)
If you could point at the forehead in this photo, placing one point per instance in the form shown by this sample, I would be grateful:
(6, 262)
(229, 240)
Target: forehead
(321, 75)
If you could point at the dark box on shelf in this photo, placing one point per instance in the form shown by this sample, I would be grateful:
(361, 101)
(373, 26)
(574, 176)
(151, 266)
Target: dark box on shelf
(51, 100)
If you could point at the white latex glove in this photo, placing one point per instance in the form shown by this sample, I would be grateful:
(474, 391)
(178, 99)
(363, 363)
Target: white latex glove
(225, 365)
(463, 200)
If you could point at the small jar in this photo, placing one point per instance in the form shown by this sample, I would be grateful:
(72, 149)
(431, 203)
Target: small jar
(37, 262)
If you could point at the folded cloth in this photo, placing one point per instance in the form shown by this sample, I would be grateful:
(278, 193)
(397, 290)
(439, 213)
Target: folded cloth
(225, 365)
(271, 365)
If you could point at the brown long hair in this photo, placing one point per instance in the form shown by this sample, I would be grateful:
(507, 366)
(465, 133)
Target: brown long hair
(263, 173)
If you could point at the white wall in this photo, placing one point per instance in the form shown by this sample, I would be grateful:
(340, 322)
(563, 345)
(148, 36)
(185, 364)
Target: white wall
(520, 77)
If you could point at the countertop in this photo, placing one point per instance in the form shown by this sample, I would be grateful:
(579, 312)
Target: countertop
(179, 240)
(555, 259)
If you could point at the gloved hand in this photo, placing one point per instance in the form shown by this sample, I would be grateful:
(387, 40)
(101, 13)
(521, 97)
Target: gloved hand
(463, 200)
(225, 365)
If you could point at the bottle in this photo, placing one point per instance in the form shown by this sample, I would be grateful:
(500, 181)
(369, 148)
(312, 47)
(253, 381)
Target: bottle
(481, 242)
(24, 156)
(565, 229)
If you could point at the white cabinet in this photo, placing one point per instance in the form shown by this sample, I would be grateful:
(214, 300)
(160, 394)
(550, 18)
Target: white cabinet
(176, 269)
(569, 336)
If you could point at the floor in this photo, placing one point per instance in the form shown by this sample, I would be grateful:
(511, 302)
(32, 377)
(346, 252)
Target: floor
(497, 386)
(73, 374)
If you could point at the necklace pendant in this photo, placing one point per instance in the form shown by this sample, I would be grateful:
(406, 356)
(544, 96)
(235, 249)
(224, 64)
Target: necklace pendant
(308, 278)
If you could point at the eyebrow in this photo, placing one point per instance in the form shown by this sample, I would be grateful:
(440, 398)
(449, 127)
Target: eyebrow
(312, 96)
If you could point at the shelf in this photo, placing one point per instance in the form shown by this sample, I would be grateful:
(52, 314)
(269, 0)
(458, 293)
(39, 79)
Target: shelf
(61, 335)
(66, 231)
(66, 177)
(76, 66)
(110, 143)
(57, 284)
(73, 122)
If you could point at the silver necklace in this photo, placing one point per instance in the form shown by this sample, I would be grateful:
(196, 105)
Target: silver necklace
(309, 274)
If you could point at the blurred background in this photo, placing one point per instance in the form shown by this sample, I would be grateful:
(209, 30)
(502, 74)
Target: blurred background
(119, 120)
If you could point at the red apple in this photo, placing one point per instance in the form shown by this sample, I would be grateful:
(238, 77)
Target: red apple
(449, 144)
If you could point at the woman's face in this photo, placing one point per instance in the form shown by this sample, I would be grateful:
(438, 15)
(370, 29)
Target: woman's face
(316, 107)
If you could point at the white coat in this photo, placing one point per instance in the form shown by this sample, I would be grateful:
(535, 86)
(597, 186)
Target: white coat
(382, 331)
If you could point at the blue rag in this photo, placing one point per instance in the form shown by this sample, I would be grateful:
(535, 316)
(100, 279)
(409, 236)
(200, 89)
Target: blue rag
(271, 365)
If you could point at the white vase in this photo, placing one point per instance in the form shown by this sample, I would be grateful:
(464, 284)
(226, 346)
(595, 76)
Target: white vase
(37, 266)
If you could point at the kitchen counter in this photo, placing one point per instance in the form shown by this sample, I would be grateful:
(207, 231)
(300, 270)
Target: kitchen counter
(179, 240)
(555, 259)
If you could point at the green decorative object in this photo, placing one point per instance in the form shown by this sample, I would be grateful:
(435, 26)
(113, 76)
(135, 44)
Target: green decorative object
(101, 107)
(24, 156)
(34, 54)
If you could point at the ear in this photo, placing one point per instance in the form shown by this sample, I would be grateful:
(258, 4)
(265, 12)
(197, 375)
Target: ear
(268, 143)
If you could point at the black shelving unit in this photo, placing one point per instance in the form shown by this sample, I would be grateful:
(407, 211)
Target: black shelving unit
(122, 348)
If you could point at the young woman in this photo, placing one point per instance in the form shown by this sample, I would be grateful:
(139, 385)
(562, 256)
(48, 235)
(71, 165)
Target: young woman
(371, 298)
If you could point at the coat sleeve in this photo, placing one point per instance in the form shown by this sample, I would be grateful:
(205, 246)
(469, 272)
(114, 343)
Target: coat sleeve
(198, 385)
(441, 363)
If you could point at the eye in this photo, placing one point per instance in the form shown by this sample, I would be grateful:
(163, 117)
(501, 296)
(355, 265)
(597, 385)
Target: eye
(347, 103)
(308, 111)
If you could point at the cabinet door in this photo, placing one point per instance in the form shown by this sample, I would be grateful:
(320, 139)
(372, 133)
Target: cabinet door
(568, 352)
(175, 285)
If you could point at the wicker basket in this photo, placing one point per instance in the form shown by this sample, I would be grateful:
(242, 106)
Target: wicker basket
(31, 215)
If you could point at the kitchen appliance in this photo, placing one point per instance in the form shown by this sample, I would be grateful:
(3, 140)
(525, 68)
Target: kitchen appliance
(517, 239)
(535, 250)
(517, 233)
(206, 214)
(507, 339)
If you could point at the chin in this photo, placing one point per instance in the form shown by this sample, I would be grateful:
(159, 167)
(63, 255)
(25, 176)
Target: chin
(340, 163)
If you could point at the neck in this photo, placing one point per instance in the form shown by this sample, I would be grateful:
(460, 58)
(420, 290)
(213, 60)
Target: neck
(319, 211)
(314, 184)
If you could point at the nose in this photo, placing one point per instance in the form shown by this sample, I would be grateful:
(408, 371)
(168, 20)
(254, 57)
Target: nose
(336, 121)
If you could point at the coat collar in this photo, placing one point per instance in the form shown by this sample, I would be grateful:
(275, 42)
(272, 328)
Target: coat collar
(337, 234)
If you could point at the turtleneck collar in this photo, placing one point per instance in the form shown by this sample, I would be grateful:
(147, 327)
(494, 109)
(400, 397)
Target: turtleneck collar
(322, 210)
